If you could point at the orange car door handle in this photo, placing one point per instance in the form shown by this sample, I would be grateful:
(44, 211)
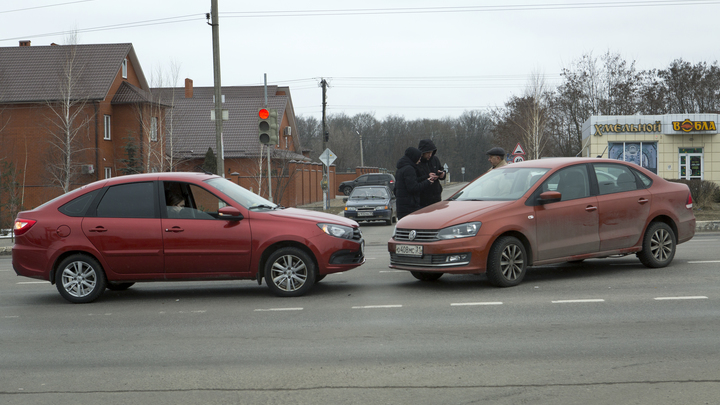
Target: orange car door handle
(98, 229)
(174, 229)
(643, 200)
(590, 208)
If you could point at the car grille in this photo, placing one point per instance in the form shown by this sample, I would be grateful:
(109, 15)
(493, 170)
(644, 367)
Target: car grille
(426, 261)
(366, 208)
(422, 235)
(357, 235)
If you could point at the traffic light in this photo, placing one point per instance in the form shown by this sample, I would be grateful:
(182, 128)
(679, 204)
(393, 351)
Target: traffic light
(268, 126)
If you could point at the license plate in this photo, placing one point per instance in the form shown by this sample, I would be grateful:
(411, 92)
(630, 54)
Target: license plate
(365, 214)
(409, 250)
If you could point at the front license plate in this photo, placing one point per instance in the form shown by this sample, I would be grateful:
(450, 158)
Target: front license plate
(409, 250)
(365, 214)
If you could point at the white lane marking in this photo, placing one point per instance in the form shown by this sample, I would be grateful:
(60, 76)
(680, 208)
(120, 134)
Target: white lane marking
(698, 297)
(393, 271)
(11, 316)
(461, 304)
(34, 282)
(377, 306)
(577, 301)
(703, 261)
(278, 309)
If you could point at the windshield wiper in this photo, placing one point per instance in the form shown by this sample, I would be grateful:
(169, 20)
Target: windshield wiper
(262, 206)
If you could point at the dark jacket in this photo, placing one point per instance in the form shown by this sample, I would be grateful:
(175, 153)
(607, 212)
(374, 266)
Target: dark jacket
(407, 185)
(434, 193)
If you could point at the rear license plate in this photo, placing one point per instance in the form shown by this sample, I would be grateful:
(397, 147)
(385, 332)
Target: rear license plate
(409, 250)
(365, 214)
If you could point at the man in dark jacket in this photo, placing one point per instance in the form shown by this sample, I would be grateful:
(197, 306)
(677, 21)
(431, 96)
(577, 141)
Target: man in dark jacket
(408, 184)
(429, 167)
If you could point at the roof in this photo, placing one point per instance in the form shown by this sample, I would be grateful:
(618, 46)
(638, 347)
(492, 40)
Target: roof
(194, 132)
(129, 94)
(31, 73)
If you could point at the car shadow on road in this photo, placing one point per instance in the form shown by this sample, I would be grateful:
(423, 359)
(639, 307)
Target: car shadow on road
(586, 270)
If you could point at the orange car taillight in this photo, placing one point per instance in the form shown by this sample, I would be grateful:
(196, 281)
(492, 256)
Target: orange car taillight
(23, 225)
(688, 204)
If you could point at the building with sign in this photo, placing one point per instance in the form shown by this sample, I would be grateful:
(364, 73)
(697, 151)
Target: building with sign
(675, 146)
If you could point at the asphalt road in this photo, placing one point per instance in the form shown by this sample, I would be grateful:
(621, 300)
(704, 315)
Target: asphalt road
(601, 332)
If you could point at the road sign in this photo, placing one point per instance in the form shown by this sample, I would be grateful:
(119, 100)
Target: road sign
(518, 150)
(518, 158)
(327, 157)
(445, 167)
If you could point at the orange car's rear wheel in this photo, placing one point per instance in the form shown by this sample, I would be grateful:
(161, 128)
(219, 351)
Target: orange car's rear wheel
(658, 248)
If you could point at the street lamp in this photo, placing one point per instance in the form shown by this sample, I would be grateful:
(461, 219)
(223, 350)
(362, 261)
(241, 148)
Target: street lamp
(362, 161)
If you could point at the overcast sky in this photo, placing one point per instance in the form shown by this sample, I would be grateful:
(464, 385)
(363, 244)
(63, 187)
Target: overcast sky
(413, 58)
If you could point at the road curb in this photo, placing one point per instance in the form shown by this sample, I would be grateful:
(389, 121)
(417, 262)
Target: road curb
(707, 226)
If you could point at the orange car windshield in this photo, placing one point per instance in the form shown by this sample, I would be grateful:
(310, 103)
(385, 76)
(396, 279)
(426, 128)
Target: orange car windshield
(506, 184)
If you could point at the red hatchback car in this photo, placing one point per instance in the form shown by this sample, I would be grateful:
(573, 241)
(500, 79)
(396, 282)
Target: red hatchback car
(545, 211)
(178, 226)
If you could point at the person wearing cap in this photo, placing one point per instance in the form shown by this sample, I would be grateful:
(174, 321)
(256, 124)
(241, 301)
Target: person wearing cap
(430, 167)
(408, 183)
(496, 157)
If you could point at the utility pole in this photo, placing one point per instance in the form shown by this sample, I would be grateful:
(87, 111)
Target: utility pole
(325, 180)
(362, 161)
(323, 83)
(220, 153)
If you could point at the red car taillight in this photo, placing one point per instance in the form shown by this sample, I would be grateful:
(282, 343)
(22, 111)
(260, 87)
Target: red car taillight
(23, 225)
(688, 204)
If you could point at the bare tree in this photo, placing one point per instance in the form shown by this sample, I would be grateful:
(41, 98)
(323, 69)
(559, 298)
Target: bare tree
(68, 123)
(531, 118)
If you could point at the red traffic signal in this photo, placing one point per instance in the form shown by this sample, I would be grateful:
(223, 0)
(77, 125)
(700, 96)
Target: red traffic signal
(263, 113)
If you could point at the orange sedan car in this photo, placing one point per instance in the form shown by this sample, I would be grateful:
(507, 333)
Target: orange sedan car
(545, 211)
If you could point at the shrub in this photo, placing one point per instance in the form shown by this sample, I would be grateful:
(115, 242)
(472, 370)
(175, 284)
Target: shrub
(703, 192)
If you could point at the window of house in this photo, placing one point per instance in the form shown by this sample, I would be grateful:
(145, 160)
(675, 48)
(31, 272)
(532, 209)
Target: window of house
(107, 128)
(154, 129)
(108, 172)
(124, 68)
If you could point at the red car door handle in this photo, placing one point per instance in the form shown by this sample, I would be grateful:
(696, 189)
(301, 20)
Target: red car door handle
(643, 200)
(590, 208)
(175, 229)
(98, 229)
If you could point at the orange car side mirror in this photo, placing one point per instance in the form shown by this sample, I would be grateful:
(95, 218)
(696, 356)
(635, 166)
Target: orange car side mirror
(549, 197)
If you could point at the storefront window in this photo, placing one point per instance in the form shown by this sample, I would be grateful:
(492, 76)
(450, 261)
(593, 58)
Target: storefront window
(643, 154)
(691, 163)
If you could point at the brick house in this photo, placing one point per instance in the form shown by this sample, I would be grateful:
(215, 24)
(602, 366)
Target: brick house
(123, 126)
(88, 102)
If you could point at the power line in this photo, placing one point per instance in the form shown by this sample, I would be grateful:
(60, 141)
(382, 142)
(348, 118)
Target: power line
(465, 9)
(376, 11)
(45, 6)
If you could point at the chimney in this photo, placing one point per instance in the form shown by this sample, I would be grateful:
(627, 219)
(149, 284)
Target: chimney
(188, 88)
(25, 42)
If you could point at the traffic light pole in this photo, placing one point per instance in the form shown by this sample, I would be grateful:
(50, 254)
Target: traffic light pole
(268, 151)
